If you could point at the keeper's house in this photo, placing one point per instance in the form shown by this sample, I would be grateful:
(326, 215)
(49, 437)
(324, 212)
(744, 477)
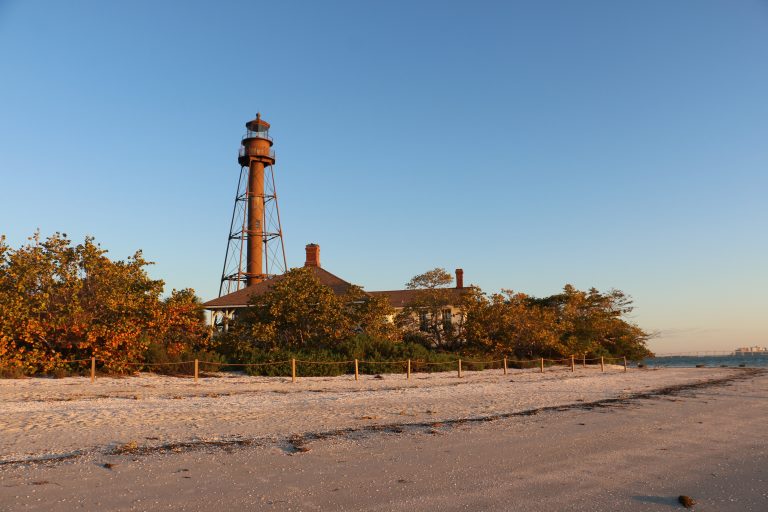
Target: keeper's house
(227, 306)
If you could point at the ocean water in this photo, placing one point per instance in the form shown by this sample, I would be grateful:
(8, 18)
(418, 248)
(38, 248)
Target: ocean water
(753, 361)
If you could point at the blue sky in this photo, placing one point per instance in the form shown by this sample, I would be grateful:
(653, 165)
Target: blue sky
(599, 143)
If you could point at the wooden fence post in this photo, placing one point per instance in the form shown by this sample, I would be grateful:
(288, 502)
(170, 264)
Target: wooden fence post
(625, 363)
(408, 374)
(93, 369)
(356, 374)
(602, 364)
(293, 370)
(196, 370)
(584, 360)
(573, 364)
(505, 366)
(542, 365)
(459, 368)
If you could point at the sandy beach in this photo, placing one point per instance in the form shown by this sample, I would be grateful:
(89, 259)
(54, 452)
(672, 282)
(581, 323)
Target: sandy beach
(523, 441)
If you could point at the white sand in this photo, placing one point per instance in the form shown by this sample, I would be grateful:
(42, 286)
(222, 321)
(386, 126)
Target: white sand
(54, 417)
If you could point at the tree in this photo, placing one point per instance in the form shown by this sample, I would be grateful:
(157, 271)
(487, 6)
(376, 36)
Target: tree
(370, 314)
(180, 323)
(422, 316)
(298, 312)
(573, 322)
(61, 302)
(507, 323)
(593, 323)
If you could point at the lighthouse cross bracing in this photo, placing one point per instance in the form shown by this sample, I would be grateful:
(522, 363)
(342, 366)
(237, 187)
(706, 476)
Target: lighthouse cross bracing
(255, 249)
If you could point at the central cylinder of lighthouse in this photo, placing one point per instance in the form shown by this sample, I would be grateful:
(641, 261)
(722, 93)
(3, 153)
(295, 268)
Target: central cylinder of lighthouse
(256, 154)
(255, 246)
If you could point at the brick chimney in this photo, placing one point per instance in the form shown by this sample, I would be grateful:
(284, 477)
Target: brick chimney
(313, 255)
(459, 278)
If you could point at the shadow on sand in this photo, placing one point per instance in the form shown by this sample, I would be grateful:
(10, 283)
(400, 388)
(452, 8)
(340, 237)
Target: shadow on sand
(659, 500)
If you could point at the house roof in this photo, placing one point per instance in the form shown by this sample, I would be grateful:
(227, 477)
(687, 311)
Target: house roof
(240, 298)
(401, 298)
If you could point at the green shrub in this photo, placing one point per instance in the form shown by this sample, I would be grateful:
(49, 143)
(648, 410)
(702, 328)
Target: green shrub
(160, 361)
(374, 356)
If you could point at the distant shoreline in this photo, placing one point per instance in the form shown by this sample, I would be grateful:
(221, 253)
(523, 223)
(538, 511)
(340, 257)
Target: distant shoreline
(754, 360)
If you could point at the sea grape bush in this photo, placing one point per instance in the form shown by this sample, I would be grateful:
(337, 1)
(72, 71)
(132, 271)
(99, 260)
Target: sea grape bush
(585, 324)
(60, 301)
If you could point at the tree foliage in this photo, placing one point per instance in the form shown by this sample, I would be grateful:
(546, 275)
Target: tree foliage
(422, 316)
(61, 302)
(509, 323)
(298, 313)
(573, 322)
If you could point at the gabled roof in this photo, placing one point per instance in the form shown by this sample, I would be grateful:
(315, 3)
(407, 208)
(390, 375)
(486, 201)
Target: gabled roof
(240, 298)
(401, 298)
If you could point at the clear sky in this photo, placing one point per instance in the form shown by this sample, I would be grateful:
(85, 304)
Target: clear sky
(599, 143)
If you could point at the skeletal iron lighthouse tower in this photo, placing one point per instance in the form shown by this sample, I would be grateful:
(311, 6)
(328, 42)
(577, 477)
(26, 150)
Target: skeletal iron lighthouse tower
(255, 248)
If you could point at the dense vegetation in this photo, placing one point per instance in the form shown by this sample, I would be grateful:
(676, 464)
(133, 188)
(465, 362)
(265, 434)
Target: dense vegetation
(302, 319)
(60, 302)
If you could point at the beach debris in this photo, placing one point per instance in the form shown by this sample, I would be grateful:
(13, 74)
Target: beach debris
(298, 444)
(128, 447)
(108, 465)
(686, 501)
(377, 376)
(39, 482)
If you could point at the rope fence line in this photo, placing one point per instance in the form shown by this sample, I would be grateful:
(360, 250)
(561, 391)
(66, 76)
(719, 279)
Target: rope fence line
(385, 362)
(159, 364)
(269, 363)
(326, 362)
(408, 362)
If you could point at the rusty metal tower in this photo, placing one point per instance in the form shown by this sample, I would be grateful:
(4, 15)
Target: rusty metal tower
(255, 248)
